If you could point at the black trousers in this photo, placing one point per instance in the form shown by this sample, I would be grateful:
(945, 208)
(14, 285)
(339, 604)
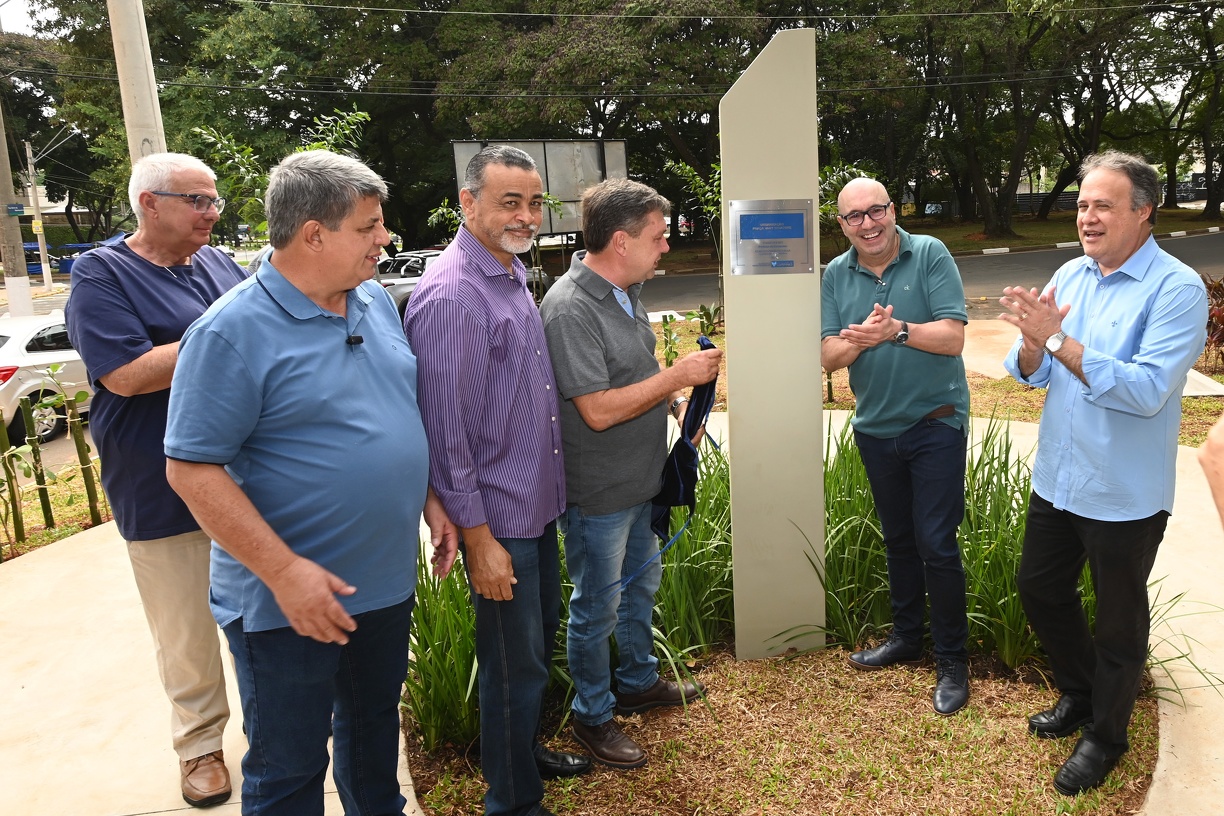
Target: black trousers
(1107, 666)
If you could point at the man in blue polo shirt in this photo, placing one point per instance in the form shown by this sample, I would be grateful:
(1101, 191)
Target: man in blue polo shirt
(295, 438)
(892, 308)
(127, 310)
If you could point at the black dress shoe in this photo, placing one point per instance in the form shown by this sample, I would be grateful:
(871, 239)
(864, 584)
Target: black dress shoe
(889, 653)
(558, 764)
(951, 685)
(1086, 768)
(1068, 715)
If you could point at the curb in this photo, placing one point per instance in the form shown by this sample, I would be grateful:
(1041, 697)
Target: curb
(1071, 244)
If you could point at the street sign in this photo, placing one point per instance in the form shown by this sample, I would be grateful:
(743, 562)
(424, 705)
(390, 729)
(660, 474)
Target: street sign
(15, 209)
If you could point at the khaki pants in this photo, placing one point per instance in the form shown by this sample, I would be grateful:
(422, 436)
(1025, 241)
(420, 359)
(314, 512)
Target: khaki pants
(172, 577)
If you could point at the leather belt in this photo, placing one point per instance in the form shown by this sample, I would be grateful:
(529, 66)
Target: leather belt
(941, 412)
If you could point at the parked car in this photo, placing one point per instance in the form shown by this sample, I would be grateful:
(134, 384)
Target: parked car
(408, 264)
(29, 346)
(400, 279)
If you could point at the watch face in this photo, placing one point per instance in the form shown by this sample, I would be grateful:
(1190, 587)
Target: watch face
(1054, 342)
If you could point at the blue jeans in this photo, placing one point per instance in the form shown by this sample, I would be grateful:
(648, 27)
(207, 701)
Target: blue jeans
(515, 641)
(918, 483)
(291, 686)
(599, 552)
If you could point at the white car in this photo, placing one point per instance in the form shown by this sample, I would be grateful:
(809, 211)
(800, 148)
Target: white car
(29, 346)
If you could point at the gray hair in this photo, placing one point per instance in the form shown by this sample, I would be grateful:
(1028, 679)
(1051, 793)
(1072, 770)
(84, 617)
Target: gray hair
(316, 185)
(1145, 183)
(618, 204)
(474, 176)
(155, 172)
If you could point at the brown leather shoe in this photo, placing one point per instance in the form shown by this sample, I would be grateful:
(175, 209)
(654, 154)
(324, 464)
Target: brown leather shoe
(610, 745)
(205, 780)
(662, 693)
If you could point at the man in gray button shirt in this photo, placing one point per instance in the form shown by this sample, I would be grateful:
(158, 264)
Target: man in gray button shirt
(614, 428)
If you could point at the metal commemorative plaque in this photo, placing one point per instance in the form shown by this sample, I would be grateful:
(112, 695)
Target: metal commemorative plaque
(772, 237)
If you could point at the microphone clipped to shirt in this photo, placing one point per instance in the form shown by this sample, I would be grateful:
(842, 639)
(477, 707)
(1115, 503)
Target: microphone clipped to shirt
(354, 340)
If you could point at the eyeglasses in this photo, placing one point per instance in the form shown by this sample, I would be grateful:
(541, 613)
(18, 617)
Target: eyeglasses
(199, 202)
(876, 213)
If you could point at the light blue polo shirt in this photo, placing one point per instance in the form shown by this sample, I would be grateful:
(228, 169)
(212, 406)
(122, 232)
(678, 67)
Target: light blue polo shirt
(322, 434)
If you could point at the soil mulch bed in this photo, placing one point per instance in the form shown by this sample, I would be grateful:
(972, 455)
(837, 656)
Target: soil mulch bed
(811, 735)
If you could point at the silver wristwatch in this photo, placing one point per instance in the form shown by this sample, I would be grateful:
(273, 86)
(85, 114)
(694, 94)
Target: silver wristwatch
(902, 337)
(675, 404)
(1055, 341)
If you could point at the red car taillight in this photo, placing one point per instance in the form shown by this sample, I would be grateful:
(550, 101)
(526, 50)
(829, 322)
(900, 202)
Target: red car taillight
(6, 373)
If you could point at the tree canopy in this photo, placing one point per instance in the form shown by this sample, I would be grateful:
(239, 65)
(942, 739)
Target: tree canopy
(959, 105)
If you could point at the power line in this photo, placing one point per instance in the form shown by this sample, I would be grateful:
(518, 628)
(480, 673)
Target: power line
(757, 17)
(505, 90)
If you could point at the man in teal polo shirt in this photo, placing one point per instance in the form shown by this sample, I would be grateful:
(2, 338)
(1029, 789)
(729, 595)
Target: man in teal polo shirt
(893, 310)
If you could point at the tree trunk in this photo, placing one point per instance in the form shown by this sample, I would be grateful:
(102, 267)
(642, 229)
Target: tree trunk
(1066, 175)
(1170, 200)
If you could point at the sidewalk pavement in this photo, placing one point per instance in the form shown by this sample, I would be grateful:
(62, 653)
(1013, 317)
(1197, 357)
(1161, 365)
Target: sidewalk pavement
(86, 726)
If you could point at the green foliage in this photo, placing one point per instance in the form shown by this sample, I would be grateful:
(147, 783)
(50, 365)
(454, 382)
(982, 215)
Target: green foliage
(708, 316)
(339, 132)
(693, 613)
(707, 192)
(445, 219)
(694, 607)
(671, 341)
(854, 574)
(833, 177)
(440, 691)
(242, 174)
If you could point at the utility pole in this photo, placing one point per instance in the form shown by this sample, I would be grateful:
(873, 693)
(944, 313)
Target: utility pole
(137, 85)
(12, 253)
(38, 227)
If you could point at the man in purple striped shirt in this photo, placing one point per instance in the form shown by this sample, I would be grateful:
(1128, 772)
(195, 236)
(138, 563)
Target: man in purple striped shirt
(489, 404)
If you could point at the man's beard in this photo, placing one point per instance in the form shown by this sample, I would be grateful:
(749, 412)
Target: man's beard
(515, 245)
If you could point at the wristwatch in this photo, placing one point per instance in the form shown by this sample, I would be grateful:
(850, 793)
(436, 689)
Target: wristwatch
(675, 404)
(1055, 341)
(902, 337)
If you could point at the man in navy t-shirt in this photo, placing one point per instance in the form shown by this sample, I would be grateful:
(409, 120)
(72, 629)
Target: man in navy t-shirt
(128, 307)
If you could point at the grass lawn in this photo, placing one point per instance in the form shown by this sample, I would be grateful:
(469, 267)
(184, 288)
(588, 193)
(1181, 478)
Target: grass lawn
(810, 735)
(69, 508)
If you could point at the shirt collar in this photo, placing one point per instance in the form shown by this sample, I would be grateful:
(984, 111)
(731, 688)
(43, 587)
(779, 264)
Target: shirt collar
(595, 284)
(1136, 266)
(293, 301)
(904, 248)
(485, 262)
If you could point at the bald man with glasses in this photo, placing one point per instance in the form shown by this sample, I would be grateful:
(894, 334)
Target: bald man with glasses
(893, 312)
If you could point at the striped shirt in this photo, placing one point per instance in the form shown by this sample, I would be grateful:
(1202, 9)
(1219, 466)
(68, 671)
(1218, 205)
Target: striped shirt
(486, 392)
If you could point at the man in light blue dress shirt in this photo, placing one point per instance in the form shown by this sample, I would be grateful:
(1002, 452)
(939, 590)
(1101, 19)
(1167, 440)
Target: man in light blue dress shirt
(1111, 338)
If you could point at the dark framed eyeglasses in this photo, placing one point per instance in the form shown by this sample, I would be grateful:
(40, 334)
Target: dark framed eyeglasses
(199, 202)
(876, 213)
